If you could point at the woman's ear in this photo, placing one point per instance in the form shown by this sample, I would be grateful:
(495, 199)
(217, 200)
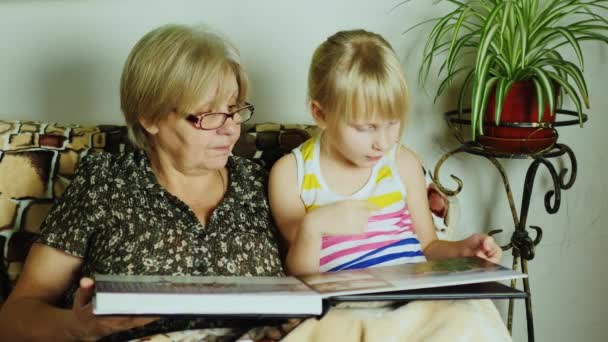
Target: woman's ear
(318, 114)
(148, 125)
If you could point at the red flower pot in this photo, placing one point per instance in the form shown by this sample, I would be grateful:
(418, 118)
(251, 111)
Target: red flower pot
(520, 106)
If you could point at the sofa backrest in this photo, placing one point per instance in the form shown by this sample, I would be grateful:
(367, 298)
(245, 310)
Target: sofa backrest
(38, 161)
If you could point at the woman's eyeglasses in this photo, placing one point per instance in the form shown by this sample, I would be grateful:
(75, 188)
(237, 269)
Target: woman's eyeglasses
(209, 121)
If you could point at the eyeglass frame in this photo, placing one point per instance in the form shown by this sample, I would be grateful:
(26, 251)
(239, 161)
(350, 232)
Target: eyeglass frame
(197, 119)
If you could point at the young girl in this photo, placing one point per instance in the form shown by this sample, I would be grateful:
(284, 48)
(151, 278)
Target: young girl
(352, 196)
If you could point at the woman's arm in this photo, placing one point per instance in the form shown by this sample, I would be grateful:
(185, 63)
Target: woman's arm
(412, 176)
(47, 274)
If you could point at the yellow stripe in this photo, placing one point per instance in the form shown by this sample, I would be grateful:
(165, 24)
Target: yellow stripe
(386, 199)
(311, 207)
(310, 182)
(307, 149)
(385, 172)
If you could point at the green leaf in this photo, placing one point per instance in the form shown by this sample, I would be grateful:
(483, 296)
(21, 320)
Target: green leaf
(485, 95)
(463, 91)
(553, 14)
(523, 30)
(570, 37)
(479, 81)
(502, 89)
(572, 70)
(455, 30)
(540, 99)
(571, 93)
(432, 44)
(447, 81)
(546, 84)
(466, 41)
(503, 25)
(419, 24)
(486, 37)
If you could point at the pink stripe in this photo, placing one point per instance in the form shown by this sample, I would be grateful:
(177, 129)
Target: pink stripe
(401, 213)
(370, 246)
(404, 222)
(329, 241)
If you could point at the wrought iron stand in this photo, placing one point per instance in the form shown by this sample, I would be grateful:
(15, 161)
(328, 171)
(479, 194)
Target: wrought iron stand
(522, 245)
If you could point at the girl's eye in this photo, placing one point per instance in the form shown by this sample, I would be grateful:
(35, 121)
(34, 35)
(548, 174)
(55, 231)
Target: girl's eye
(393, 123)
(233, 107)
(365, 128)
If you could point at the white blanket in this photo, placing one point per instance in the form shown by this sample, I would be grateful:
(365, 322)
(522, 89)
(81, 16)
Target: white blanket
(455, 321)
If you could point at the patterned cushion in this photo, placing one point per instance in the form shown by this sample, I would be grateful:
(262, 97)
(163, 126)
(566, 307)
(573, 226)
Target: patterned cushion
(267, 142)
(38, 160)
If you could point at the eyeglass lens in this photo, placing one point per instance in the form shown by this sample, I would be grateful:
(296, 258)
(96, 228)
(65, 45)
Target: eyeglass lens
(216, 120)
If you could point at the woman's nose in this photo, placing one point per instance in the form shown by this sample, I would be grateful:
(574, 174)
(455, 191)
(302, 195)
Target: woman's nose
(230, 126)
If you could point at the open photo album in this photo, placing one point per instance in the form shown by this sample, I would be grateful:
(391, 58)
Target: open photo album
(282, 296)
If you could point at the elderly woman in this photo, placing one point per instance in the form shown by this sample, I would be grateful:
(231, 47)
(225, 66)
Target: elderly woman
(180, 205)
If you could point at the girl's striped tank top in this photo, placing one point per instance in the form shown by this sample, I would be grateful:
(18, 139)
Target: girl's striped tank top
(389, 239)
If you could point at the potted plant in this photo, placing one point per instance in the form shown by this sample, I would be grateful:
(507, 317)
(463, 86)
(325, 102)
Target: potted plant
(510, 55)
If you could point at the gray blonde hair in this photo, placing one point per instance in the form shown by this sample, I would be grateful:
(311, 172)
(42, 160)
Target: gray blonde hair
(355, 75)
(169, 69)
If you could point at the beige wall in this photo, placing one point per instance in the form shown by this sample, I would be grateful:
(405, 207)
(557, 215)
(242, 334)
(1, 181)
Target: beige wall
(61, 61)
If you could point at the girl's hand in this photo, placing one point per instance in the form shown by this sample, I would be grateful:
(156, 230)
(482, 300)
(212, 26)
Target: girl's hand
(91, 327)
(341, 218)
(483, 246)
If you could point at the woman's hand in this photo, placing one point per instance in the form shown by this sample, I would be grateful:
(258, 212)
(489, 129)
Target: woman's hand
(483, 246)
(91, 327)
(340, 218)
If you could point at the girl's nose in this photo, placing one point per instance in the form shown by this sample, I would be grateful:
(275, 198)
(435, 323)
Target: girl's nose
(382, 142)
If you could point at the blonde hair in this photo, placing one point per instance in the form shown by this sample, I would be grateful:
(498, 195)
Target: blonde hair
(355, 75)
(170, 69)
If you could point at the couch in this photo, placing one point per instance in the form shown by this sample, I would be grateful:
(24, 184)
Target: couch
(39, 159)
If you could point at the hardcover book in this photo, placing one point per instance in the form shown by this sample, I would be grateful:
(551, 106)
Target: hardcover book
(291, 296)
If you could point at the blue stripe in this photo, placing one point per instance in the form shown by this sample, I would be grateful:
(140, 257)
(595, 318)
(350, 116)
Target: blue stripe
(384, 258)
(404, 242)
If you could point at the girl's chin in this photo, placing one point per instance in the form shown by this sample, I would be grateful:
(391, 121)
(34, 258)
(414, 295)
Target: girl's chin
(363, 164)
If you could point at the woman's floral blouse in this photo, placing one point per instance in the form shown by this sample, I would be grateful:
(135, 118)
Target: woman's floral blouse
(119, 220)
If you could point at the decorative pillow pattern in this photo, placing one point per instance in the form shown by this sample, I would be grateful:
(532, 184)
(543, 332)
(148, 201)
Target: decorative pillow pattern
(267, 142)
(37, 162)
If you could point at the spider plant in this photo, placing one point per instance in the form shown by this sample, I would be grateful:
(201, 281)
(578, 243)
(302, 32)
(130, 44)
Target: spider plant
(514, 40)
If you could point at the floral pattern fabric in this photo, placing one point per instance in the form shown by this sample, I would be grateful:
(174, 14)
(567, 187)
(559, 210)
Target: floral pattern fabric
(119, 220)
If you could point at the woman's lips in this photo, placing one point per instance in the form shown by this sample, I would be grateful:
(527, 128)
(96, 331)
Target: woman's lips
(223, 149)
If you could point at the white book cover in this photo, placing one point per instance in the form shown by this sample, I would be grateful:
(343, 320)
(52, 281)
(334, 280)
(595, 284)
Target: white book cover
(203, 295)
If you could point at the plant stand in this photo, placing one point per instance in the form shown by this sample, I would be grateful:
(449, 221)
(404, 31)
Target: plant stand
(522, 245)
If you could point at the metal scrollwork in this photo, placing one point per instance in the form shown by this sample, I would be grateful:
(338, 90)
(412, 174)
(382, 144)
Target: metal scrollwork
(456, 179)
(521, 244)
(552, 198)
(567, 185)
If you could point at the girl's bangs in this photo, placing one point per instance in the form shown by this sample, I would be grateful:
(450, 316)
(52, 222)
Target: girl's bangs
(371, 98)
